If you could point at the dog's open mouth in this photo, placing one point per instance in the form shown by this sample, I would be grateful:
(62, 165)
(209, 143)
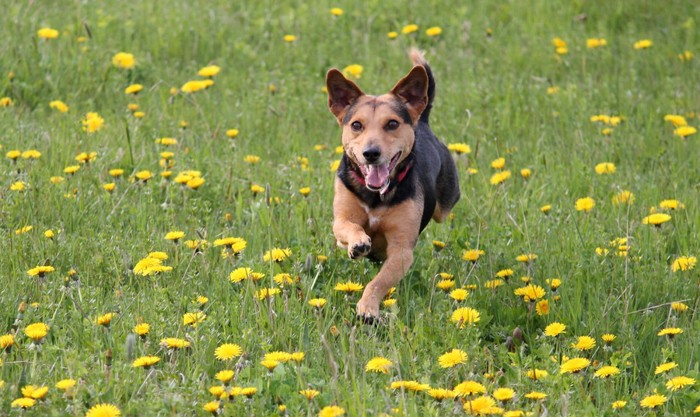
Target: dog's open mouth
(378, 176)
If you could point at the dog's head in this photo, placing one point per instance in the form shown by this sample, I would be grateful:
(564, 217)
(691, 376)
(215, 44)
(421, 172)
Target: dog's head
(378, 131)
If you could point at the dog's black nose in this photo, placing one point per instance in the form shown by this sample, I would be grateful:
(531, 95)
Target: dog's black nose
(372, 153)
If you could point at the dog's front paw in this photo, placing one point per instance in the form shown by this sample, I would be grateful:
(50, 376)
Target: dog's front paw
(360, 248)
(368, 311)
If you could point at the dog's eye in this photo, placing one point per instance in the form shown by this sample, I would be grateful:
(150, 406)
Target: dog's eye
(356, 126)
(392, 125)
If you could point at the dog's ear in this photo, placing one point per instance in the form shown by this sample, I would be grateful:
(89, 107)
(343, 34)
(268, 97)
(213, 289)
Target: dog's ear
(341, 93)
(412, 90)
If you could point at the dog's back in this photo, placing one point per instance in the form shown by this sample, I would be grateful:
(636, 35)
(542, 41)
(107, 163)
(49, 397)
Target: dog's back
(438, 173)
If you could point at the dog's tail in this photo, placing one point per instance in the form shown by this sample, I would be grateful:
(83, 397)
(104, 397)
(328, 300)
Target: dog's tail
(418, 59)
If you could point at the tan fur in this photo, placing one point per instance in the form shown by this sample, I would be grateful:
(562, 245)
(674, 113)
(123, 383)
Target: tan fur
(374, 113)
(391, 232)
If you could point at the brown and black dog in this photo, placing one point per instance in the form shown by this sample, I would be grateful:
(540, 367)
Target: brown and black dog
(394, 175)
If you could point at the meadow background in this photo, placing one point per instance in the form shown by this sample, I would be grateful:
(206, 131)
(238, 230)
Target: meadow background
(503, 88)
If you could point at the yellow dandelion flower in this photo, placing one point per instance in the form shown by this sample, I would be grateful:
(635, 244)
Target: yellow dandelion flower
(465, 315)
(92, 122)
(481, 406)
(469, 388)
(47, 33)
(653, 401)
(554, 329)
(409, 29)
(605, 168)
(472, 255)
(59, 105)
(676, 306)
(105, 319)
(174, 235)
(607, 371)
(452, 358)
(536, 395)
(211, 406)
(40, 271)
(309, 394)
(670, 332)
(145, 362)
(290, 38)
(6, 342)
(240, 274)
(679, 382)
(542, 307)
(494, 283)
(440, 394)
(530, 292)
(671, 205)
(537, 374)
(209, 71)
(445, 284)
(574, 365)
(526, 257)
(193, 319)
(379, 364)
(665, 367)
(433, 31)
(656, 219)
(133, 89)
(504, 394)
(277, 255)
(317, 302)
(500, 177)
(643, 44)
(584, 343)
(619, 404)
(174, 343)
(270, 364)
(142, 329)
(124, 60)
(592, 43)
(460, 294)
(392, 35)
(227, 351)
(585, 204)
(622, 197)
(66, 384)
(265, 293)
(23, 403)
(348, 287)
(104, 410)
(331, 411)
(460, 148)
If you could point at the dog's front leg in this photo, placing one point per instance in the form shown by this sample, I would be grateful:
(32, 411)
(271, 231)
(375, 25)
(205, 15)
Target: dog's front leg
(400, 226)
(399, 259)
(349, 217)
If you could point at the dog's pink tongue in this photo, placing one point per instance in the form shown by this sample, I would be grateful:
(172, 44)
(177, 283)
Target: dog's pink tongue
(377, 175)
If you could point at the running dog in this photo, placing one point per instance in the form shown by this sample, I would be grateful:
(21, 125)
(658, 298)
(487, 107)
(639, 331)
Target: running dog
(395, 175)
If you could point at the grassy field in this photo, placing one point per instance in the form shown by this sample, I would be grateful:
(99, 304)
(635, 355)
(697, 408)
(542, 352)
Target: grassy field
(522, 81)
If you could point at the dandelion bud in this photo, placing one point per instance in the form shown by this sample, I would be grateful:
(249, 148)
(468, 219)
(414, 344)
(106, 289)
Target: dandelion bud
(130, 346)
(518, 334)
(308, 263)
(510, 344)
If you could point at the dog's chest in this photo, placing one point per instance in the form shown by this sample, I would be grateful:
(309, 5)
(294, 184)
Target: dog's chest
(374, 216)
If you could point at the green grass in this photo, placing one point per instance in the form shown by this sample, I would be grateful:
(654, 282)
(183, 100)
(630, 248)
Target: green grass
(492, 95)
